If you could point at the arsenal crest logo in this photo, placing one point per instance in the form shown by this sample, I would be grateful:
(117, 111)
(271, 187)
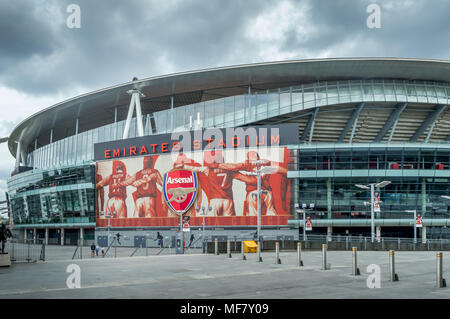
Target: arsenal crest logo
(180, 189)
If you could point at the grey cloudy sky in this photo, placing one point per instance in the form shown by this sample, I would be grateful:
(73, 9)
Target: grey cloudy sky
(43, 62)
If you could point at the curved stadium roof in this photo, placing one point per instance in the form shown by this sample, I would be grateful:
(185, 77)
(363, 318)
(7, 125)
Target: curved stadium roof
(96, 108)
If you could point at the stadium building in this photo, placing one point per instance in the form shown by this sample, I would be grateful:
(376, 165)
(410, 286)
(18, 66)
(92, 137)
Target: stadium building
(359, 121)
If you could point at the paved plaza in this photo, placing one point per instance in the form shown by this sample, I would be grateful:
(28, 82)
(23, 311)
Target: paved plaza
(210, 276)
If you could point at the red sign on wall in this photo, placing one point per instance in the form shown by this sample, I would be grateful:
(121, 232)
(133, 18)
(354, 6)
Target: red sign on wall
(419, 221)
(308, 223)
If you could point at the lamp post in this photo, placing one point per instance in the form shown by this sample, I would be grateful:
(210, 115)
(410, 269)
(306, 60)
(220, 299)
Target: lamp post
(108, 215)
(304, 209)
(445, 197)
(415, 222)
(203, 224)
(371, 187)
(260, 170)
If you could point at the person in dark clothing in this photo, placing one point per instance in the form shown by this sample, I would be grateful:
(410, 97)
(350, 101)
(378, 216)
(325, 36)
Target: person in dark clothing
(160, 240)
(191, 240)
(118, 238)
(93, 250)
(5, 233)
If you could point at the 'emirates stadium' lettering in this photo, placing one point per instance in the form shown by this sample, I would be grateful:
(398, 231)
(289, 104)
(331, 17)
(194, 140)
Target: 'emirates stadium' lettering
(199, 140)
(176, 146)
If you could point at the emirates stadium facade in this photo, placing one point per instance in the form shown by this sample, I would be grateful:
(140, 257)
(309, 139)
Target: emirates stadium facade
(358, 121)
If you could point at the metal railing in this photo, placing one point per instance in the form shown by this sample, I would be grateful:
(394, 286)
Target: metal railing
(25, 251)
(109, 247)
(362, 239)
(334, 242)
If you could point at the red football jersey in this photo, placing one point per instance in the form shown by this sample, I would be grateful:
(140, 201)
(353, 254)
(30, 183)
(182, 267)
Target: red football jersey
(265, 184)
(114, 189)
(219, 184)
(148, 188)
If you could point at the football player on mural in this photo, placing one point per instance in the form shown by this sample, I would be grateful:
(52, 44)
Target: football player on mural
(220, 191)
(100, 195)
(270, 184)
(117, 193)
(147, 197)
(217, 184)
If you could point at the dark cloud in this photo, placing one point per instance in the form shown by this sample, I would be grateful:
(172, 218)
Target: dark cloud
(24, 32)
(118, 40)
(408, 29)
(122, 39)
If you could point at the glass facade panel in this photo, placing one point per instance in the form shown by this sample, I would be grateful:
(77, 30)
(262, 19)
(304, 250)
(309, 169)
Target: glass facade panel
(337, 196)
(332, 94)
(285, 101)
(242, 110)
(53, 196)
(229, 111)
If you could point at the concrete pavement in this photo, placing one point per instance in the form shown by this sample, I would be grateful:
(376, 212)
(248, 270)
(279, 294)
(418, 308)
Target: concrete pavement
(210, 276)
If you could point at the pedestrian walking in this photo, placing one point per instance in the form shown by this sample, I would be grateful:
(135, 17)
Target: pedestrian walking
(93, 250)
(97, 248)
(160, 240)
(5, 233)
(191, 240)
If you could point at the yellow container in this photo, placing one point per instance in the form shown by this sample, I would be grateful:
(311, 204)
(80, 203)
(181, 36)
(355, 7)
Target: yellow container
(250, 246)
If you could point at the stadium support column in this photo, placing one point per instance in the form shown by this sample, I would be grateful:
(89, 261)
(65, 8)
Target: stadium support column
(424, 209)
(135, 101)
(46, 236)
(377, 190)
(34, 236)
(329, 198)
(25, 235)
(295, 183)
(424, 197)
(77, 123)
(129, 117)
(18, 154)
(329, 232)
(424, 234)
(171, 114)
(115, 123)
(139, 114)
(81, 236)
(378, 229)
(249, 89)
(23, 157)
(81, 202)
